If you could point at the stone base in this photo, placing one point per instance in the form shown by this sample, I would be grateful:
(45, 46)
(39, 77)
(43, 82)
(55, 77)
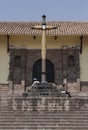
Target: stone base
(43, 89)
(47, 89)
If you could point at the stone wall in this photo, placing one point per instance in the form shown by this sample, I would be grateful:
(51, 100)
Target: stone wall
(22, 71)
(10, 102)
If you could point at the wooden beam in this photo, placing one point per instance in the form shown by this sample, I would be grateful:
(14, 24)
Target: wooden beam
(81, 44)
(7, 43)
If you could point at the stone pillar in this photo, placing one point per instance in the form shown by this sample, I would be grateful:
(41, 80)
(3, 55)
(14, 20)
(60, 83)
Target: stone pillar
(65, 83)
(65, 65)
(23, 69)
(11, 87)
(78, 84)
(11, 68)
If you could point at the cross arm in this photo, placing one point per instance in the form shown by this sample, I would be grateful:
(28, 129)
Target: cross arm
(51, 27)
(37, 27)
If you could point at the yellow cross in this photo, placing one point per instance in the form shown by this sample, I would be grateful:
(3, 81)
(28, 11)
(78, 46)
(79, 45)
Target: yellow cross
(43, 27)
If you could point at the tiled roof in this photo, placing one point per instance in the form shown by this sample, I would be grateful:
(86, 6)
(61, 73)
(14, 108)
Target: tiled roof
(24, 28)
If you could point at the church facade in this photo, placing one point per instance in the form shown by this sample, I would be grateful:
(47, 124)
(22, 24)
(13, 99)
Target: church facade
(66, 58)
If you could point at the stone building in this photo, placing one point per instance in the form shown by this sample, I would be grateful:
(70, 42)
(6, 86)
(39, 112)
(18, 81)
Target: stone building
(67, 53)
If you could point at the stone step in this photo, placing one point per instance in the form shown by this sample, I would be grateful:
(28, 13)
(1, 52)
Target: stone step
(31, 113)
(41, 119)
(40, 127)
(83, 119)
(45, 116)
(73, 119)
(44, 122)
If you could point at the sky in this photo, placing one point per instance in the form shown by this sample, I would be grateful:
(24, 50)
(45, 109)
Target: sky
(55, 10)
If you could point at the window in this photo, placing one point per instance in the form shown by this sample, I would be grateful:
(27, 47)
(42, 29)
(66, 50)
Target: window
(17, 61)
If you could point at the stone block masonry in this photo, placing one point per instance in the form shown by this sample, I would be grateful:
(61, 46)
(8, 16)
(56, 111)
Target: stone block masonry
(65, 61)
(42, 103)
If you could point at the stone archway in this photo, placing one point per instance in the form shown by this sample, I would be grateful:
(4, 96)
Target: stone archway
(49, 70)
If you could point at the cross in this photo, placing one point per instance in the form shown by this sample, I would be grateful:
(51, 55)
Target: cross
(43, 27)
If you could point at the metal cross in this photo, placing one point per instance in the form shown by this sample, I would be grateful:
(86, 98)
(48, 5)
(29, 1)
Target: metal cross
(43, 27)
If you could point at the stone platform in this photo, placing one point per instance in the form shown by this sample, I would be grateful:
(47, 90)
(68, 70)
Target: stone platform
(45, 110)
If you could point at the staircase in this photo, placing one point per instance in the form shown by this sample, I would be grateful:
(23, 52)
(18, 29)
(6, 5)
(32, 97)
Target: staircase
(43, 113)
(44, 121)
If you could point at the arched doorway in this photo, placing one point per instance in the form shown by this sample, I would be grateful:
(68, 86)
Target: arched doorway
(49, 70)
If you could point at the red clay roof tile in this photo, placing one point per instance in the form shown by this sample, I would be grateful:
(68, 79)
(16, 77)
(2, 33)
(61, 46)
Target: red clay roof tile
(24, 28)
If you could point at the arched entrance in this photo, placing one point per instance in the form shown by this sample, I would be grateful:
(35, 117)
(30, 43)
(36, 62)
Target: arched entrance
(49, 70)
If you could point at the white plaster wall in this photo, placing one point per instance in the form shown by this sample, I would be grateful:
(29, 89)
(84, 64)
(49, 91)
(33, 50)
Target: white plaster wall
(4, 60)
(84, 61)
(31, 43)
